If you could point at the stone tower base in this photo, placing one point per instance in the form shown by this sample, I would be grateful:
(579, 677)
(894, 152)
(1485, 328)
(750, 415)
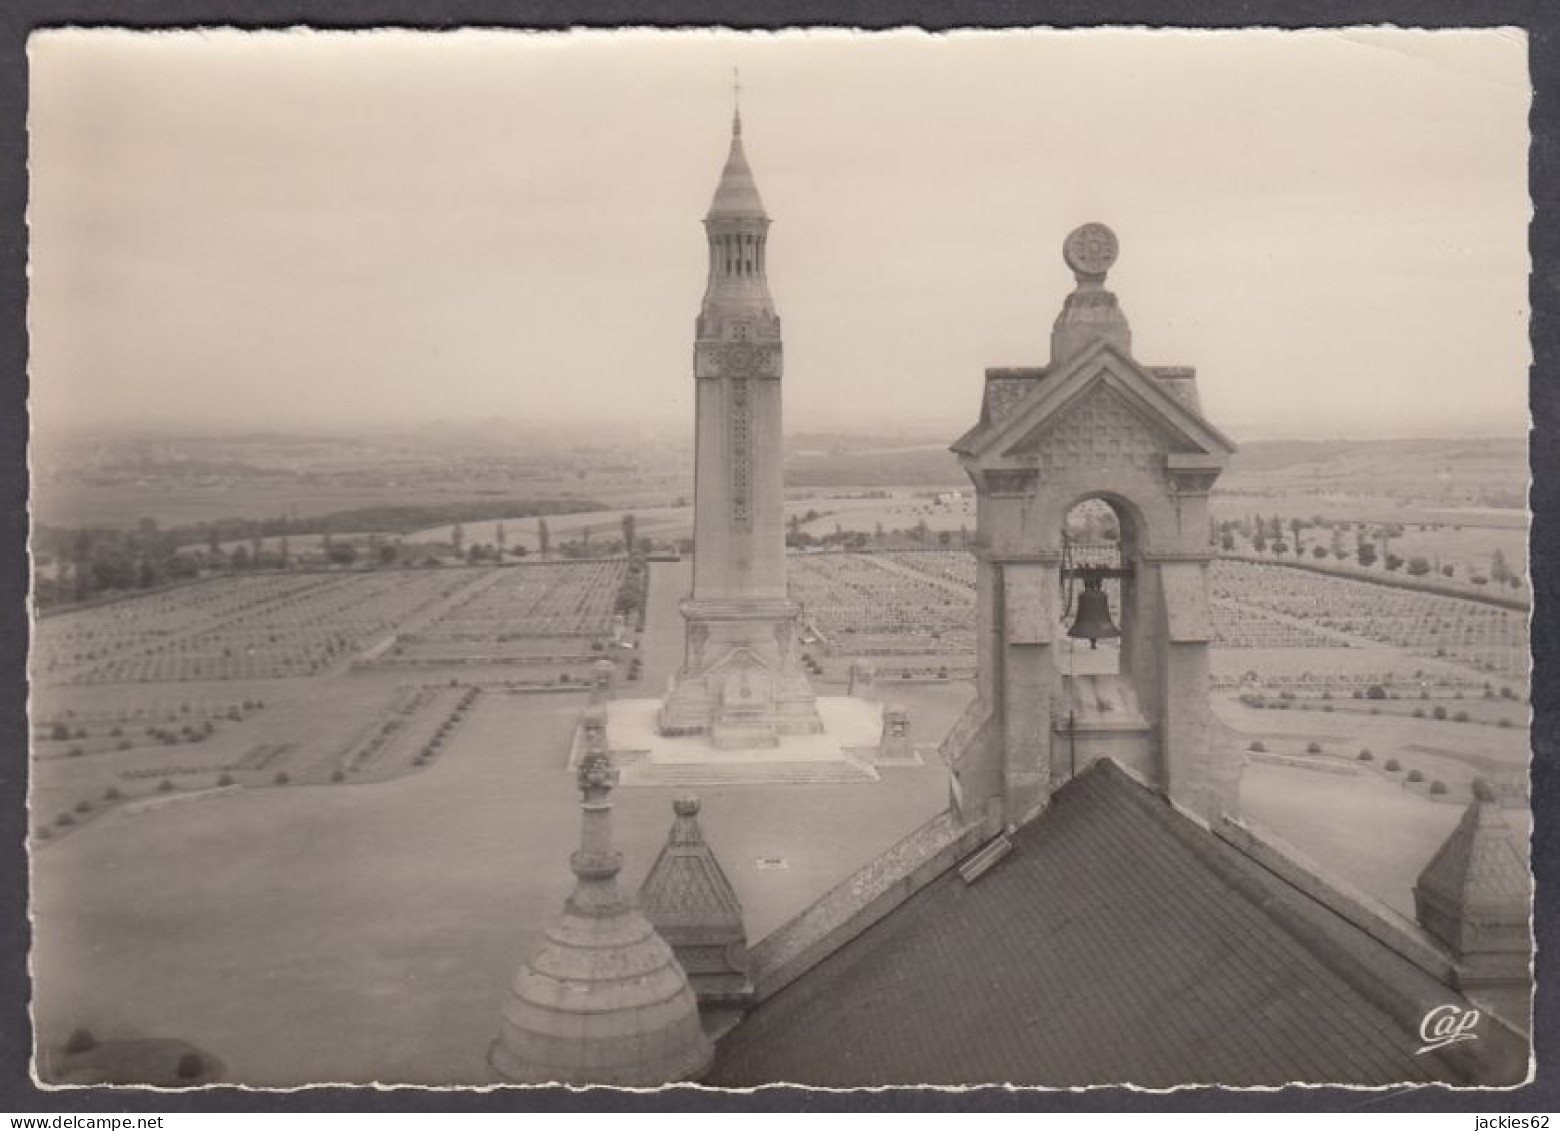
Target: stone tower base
(840, 751)
(742, 684)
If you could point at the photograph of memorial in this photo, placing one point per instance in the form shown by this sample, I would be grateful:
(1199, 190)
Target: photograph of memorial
(695, 558)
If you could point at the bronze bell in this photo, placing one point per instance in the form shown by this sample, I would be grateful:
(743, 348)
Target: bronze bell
(1093, 621)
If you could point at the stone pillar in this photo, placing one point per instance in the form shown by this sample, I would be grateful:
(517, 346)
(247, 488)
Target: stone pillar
(895, 744)
(863, 681)
(1185, 717)
(1028, 686)
(601, 673)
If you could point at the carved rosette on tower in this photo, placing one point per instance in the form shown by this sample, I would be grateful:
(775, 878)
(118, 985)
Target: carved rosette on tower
(741, 681)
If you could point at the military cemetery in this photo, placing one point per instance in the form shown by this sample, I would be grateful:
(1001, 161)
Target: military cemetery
(618, 759)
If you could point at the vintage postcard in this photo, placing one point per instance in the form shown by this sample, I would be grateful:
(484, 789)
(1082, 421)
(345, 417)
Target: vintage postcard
(648, 558)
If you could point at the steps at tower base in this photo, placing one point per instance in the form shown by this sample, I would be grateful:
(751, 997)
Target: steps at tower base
(687, 774)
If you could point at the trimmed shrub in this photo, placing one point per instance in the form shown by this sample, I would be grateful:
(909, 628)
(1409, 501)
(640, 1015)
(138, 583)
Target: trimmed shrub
(1375, 691)
(111, 794)
(80, 1041)
(1504, 723)
(190, 1066)
(282, 777)
(1258, 747)
(83, 806)
(64, 819)
(1391, 766)
(1366, 756)
(1460, 717)
(1313, 748)
(59, 732)
(165, 786)
(225, 779)
(338, 776)
(1419, 712)
(1438, 787)
(1439, 713)
(1415, 775)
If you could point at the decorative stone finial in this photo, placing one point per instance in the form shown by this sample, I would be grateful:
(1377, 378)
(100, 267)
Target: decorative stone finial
(1090, 251)
(593, 730)
(692, 903)
(1090, 313)
(605, 1001)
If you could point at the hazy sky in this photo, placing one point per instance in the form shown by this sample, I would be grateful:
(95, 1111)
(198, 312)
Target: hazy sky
(271, 228)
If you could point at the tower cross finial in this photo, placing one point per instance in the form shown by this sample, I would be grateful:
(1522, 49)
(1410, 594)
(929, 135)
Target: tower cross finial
(736, 102)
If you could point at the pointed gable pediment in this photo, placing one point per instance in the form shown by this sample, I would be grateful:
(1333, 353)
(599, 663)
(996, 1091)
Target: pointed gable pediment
(1102, 406)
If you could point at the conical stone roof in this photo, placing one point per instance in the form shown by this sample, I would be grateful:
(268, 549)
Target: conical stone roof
(605, 1000)
(1474, 893)
(737, 194)
(687, 887)
(692, 903)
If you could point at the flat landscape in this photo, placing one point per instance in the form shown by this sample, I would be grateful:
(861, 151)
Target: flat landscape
(276, 808)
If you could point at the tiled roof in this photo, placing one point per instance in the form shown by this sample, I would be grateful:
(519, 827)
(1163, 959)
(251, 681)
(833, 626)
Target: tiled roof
(1118, 942)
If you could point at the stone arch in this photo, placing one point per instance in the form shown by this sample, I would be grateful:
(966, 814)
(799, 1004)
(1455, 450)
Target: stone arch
(1129, 513)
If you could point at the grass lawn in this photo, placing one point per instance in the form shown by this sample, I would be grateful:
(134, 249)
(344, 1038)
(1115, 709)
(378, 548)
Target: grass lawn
(1366, 830)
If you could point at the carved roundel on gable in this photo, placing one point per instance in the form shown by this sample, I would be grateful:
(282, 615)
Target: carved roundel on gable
(1091, 249)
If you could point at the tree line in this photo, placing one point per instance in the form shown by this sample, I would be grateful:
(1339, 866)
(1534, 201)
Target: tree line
(1372, 544)
(92, 561)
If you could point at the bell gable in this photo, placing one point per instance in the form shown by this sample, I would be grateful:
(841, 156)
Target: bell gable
(1102, 409)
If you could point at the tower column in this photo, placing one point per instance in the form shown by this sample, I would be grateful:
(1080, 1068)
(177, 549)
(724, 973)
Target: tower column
(741, 682)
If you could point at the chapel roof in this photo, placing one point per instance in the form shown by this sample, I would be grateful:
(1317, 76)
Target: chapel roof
(1119, 941)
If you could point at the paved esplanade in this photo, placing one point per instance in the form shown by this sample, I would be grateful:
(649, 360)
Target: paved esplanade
(741, 681)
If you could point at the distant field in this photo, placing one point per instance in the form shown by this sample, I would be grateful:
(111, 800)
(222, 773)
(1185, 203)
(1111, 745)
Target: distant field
(126, 505)
(902, 510)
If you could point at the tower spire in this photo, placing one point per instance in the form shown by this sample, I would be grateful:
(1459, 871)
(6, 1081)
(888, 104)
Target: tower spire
(736, 102)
